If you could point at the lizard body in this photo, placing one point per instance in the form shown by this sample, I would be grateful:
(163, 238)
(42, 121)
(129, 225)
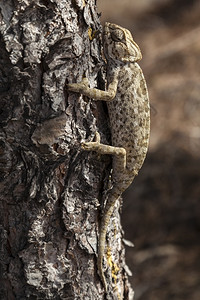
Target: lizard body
(129, 114)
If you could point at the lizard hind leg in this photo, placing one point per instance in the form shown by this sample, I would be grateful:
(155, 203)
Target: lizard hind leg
(96, 146)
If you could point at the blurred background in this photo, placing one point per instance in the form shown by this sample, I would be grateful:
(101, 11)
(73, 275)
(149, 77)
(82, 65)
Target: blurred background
(161, 210)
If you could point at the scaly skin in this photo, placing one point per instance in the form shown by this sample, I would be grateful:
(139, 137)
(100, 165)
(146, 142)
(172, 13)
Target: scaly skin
(129, 114)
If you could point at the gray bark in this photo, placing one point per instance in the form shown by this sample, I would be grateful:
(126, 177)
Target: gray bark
(50, 190)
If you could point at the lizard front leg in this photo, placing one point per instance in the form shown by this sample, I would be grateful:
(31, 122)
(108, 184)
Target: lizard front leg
(93, 93)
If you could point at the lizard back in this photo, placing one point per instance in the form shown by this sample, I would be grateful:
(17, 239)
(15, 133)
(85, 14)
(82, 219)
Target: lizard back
(129, 115)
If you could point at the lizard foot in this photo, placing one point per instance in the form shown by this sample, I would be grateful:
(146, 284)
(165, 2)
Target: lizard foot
(78, 87)
(92, 146)
(89, 146)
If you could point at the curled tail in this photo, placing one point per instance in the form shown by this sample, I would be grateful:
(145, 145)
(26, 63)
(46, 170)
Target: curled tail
(112, 198)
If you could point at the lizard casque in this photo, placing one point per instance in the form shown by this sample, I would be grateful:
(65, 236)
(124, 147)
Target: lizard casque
(129, 114)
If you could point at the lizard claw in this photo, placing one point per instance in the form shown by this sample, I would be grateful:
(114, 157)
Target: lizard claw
(84, 146)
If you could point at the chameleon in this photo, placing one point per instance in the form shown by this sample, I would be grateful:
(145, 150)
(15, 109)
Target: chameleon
(127, 100)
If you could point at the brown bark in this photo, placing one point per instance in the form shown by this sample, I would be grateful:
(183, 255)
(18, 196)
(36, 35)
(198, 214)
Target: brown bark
(51, 190)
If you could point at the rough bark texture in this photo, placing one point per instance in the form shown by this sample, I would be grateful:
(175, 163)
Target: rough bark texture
(50, 190)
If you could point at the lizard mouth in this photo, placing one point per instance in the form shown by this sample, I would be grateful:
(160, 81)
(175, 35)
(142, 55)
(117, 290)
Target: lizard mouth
(106, 28)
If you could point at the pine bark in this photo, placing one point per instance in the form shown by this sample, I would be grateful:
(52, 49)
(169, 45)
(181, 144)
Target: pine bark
(51, 191)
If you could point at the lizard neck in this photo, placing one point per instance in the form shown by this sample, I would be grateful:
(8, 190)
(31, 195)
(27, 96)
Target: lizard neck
(115, 64)
(113, 68)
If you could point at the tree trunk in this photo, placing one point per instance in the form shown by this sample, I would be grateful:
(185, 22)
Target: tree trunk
(51, 190)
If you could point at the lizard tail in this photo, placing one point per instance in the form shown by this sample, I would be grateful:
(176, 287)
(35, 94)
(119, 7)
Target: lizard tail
(112, 198)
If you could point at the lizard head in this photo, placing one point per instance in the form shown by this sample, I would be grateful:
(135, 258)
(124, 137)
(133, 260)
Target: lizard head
(119, 44)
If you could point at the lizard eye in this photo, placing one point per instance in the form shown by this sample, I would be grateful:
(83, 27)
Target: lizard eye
(117, 35)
